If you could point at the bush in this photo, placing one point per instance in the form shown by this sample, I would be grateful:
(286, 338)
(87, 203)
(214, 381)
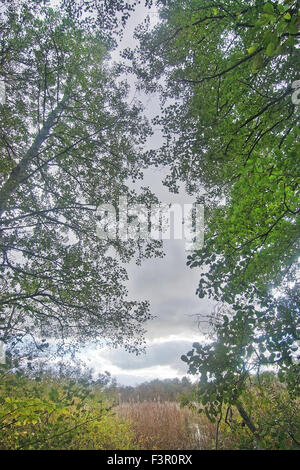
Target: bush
(275, 413)
(58, 414)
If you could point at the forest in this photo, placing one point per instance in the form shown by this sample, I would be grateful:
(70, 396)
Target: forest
(76, 138)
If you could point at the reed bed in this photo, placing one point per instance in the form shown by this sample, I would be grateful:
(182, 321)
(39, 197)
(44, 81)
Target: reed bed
(166, 426)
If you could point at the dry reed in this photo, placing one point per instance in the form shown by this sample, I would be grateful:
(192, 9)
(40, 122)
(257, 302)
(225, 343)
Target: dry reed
(166, 426)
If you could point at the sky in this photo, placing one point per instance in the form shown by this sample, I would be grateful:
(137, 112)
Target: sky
(167, 282)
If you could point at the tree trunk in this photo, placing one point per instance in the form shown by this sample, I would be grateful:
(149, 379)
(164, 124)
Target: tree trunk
(19, 172)
(248, 421)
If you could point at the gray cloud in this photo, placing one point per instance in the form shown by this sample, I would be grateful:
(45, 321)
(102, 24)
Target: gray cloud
(171, 288)
(158, 354)
(167, 283)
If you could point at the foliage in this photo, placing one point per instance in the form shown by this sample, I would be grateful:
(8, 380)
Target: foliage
(69, 141)
(53, 413)
(74, 410)
(244, 344)
(230, 122)
(264, 401)
(231, 128)
(276, 416)
(155, 390)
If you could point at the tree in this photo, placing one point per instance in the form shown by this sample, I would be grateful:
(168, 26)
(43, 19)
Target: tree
(229, 70)
(227, 73)
(244, 342)
(69, 141)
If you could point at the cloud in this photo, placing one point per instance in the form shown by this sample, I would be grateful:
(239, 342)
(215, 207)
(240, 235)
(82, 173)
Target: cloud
(158, 354)
(170, 286)
(167, 283)
(162, 360)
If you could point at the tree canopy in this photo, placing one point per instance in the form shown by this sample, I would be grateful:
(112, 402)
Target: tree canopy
(69, 140)
(227, 74)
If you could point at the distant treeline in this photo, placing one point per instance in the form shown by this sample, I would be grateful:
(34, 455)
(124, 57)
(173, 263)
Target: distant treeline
(154, 390)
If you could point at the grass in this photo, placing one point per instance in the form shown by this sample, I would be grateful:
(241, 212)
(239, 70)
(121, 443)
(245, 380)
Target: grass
(166, 426)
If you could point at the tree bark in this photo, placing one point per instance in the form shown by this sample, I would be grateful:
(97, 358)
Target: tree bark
(19, 172)
(248, 421)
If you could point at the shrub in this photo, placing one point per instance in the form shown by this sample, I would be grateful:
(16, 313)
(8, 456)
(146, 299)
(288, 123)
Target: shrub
(54, 414)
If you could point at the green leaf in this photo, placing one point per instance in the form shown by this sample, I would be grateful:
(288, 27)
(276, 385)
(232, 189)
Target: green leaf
(54, 395)
(293, 28)
(268, 8)
(258, 62)
(252, 49)
(270, 50)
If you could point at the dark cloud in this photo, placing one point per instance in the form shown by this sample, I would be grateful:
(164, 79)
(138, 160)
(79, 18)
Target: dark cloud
(167, 353)
(171, 288)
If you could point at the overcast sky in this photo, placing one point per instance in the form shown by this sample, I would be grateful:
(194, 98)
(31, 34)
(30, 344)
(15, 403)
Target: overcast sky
(167, 282)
